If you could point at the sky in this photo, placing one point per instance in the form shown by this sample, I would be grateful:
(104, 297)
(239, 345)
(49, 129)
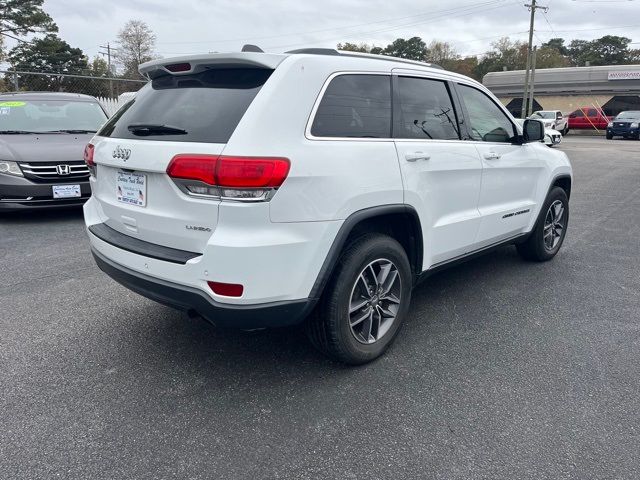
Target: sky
(198, 26)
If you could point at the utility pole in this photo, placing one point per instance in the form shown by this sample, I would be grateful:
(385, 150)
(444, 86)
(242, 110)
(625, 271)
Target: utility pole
(532, 7)
(533, 80)
(108, 55)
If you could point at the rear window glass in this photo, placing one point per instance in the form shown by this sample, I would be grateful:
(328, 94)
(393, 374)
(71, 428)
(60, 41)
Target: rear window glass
(202, 107)
(426, 110)
(355, 106)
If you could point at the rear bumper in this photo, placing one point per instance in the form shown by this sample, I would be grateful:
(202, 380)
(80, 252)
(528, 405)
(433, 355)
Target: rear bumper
(276, 314)
(18, 193)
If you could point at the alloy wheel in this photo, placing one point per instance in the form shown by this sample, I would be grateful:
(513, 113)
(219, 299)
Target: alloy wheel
(375, 301)
(554, 225)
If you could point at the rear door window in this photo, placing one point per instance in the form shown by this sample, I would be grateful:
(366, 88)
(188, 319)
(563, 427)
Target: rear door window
(201, 107)
(426, 110)
(355, 106)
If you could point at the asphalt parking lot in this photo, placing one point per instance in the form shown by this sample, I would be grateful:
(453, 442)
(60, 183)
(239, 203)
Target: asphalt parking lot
(505, 369)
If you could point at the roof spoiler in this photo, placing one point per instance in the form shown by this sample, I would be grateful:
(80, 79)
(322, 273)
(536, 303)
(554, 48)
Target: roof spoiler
(188, 64)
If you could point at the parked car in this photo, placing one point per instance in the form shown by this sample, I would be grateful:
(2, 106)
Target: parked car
(551, 137)
(42, 138)
(553, 119)
(263, 190)
(626, 124)
(588, 117)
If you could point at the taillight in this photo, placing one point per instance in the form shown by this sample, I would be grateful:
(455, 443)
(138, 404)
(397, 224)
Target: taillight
(193, 167)
(226, 289)
(88, 158)
(228, 177)
(88, 155)
(250, 172)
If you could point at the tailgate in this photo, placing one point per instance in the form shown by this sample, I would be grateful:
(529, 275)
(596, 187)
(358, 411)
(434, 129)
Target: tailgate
(139, 199)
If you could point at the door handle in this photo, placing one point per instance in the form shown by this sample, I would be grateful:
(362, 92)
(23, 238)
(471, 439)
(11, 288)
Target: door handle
(412, 157)
(491, 156)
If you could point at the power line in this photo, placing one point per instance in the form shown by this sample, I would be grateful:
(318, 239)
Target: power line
(398, 27)
(346, 27)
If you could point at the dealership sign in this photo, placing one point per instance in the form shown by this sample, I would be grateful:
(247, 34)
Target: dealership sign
(628, 75)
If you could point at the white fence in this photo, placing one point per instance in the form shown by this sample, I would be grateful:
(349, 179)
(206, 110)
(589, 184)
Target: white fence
(110, 105)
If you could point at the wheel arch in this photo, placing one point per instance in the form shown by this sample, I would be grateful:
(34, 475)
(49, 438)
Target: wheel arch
(400, 222)
(564, 182)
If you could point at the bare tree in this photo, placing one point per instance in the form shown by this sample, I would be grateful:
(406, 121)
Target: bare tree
(441, 53)
(136, 44)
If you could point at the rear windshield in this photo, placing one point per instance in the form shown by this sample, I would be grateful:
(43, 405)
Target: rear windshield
(50, 115)
(203, 107)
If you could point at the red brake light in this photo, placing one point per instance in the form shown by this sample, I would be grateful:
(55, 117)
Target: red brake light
(226, 289)
(88, 155)
(251, 172)
(231, 172)
(193, 167)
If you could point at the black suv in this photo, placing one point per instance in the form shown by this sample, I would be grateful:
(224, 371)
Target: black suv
(42, 138)
(626, 124)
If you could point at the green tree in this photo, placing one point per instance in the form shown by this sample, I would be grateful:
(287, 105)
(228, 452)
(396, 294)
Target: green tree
(354, 47)
(557, 44)
(136, 44)
(50, 54)
(505, 53)
(413, 49)
(465, 66)
(550, 57)
(100, 87)
(22, 17)
(607, 50)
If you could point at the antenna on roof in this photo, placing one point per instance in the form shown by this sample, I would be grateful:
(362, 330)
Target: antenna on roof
(251, 48)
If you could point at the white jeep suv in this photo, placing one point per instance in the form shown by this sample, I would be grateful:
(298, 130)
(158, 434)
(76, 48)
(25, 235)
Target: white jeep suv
(263, 190)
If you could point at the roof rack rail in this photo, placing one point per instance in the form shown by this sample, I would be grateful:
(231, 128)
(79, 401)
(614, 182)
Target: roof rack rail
(316, 51)
(389, 58)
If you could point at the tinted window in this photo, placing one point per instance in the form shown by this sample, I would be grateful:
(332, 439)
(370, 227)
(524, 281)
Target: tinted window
(207, 106)
(50, 115)
(355, 106)
(577, 114)
(426, 110)
(487, 122)
(592, 113)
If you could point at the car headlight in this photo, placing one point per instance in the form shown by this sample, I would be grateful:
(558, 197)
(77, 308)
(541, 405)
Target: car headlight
(10, 168)
(610, 124)
(634, 125)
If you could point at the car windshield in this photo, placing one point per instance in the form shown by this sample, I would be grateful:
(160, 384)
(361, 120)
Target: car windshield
(632, 115)
(546, 115)
(42, 116)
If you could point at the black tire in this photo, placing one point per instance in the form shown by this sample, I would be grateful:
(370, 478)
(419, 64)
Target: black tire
(609, 136)
(535, 248)
(329, 327)
(565, 131)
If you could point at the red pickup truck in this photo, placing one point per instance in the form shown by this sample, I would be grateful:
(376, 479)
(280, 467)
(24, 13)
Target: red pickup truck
(588, 117)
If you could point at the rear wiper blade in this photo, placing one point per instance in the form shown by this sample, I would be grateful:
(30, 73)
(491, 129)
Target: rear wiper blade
(71, 130)
(154, 129)
(15, 132)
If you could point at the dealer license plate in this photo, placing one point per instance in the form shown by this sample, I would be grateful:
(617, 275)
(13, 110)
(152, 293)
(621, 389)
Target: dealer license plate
(131, 188)
(66, 191)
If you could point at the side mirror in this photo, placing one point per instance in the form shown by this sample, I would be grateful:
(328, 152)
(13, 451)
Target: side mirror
(533, 130)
